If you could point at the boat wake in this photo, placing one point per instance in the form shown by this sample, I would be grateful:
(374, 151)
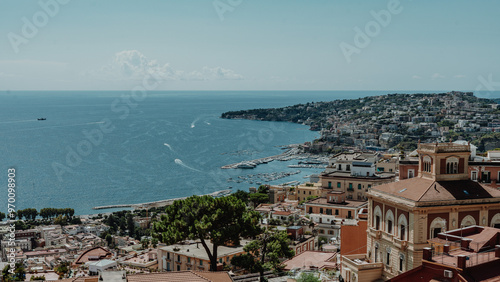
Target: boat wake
(170, 147)
(181, 163)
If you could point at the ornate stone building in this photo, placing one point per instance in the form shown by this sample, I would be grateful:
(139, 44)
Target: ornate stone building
(404, 215)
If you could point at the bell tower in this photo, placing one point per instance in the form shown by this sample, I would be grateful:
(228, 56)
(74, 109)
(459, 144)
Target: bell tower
(443, 161)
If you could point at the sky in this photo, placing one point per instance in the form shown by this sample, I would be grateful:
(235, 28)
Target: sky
(249, 44)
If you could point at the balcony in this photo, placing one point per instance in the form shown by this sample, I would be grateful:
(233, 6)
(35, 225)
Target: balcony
(350, 189)
(387, 236)
(402, 244)
(375, 233)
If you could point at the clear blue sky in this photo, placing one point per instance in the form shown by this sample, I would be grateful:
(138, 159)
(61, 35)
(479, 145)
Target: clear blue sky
(258, 45)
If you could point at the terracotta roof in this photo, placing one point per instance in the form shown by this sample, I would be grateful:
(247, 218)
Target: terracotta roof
(282, 213)
(347, 203)
(311, 258)
(428, 190)
(96, 252)
(181, 276)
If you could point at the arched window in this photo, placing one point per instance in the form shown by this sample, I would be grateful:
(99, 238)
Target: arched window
(468, 221)
(427, 164)
(389, 222)
(403, 228)
(451, 165)
(377, 217)
(401, 262)
(495, 221)
(438, 225)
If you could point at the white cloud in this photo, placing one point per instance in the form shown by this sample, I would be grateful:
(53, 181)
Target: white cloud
(133, 65)
(437, 76)
(416, 77)
(460, 76)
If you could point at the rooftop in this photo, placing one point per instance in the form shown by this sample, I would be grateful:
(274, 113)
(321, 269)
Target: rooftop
(196, 250)
(347, 203)
(419, 189)
(312, 259)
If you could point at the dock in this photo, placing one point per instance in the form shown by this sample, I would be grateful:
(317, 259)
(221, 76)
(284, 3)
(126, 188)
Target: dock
(160, 203)
(287, 155)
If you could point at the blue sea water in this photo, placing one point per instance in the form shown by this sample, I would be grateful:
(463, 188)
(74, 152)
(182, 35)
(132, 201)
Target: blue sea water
(171, 144)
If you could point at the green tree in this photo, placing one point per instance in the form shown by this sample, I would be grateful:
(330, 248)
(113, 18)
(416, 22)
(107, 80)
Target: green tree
(154, 242)
(242, 195)
(37, 278)
(2, 216)
(308, 277)
(145, 243)
(18, 275)
(219, 220)
(130, 224)
(259, 198)
(109, 239)
(265, 253)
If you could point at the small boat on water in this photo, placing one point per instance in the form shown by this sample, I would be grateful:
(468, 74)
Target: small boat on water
(41, 118)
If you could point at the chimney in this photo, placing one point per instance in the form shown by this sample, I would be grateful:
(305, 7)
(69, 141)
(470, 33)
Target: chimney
(497, 251)
(427, 254)
(446, 249)
(461, 261)
(464, 244)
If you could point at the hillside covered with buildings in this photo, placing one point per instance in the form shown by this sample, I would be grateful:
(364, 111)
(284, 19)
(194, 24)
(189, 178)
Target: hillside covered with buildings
(393, 120)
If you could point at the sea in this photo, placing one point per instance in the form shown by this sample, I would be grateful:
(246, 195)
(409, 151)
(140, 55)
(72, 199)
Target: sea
(99, 148)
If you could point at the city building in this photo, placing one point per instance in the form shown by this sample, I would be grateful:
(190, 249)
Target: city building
(192, 256)
(466, 254)
(404, 215)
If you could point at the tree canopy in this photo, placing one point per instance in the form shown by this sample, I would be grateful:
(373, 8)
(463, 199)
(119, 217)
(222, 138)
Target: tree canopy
(219, 220)
(265, 253)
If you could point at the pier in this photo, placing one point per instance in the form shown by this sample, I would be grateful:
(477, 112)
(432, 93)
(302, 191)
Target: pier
(160, 203)
(289, 154)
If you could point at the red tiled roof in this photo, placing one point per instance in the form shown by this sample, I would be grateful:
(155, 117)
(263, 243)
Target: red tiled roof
(427, 190)
(181, 276)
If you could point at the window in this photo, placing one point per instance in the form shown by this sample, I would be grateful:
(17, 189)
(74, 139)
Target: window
(451, 165)
(178, 258)
(321, 231)
(389, 221)
(349, 214)
(338, 184)
(377, 222)
(401, 262)
(350, 185)
(348, 167)
(369, 186)
(201, 263)
(168, 255)
(427, 164)
(310, 210)
(304, 192)
(220, 260)
(403, 223)
(411, 173)
(329, 184)
(388, 258)
(340, 166)
(168, 266)
(320, 210)
(309, 192)
(336, 212)
(178, 268)
(189, 260)
(359, 186)
(329, 211)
